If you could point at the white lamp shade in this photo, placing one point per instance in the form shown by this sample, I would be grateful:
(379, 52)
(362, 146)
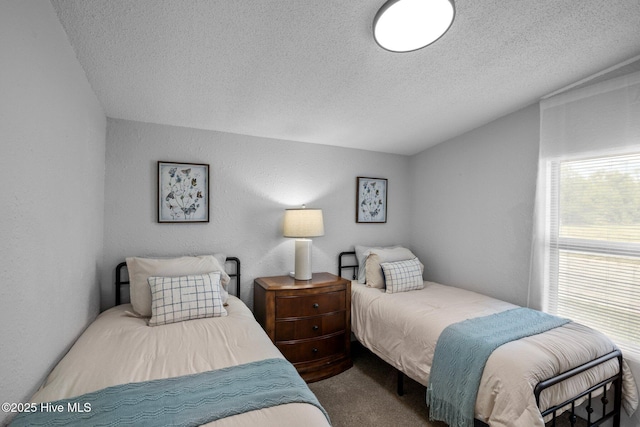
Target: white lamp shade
(303, 223)
(408, 25)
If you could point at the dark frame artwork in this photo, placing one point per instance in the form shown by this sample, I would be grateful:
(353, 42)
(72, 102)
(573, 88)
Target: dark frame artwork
(183, 192)
(371, 200)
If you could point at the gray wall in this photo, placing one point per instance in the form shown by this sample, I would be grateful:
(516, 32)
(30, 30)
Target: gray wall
(52, 138)
(253, 180)
(473, 207)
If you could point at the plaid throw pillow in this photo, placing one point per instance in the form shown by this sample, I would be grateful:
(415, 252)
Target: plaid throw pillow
(402, 276)
(175, 299)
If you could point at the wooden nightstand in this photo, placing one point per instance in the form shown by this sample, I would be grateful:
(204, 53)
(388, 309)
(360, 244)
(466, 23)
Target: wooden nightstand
(309, 321)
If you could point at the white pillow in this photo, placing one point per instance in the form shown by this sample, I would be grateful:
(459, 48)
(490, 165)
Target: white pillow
(362, 252)
(402, 276)
(141, 268)
(176, 299)
(374, 276)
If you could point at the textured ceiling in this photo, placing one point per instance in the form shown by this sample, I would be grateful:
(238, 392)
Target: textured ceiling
(310, 71)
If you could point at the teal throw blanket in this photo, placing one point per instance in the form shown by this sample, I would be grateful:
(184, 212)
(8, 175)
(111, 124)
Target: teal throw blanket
(190, 400)
(461, 353)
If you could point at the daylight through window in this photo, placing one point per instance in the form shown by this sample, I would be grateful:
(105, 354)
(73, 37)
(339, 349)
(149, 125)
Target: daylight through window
(595, 245)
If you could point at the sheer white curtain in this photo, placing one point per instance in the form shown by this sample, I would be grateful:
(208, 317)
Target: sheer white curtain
(586, 243)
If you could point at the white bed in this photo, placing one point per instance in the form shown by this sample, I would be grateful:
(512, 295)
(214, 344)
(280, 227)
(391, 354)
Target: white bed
(118, 348)
(403, 329)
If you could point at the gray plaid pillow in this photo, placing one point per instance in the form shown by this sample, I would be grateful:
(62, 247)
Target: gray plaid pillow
(175, 299)
(402, 276)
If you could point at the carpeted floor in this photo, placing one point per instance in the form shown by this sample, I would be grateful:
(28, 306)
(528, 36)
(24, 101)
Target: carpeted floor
(365, 395)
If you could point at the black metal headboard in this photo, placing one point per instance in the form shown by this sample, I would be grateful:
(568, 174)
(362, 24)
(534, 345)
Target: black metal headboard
(235, 274)
(342, 266)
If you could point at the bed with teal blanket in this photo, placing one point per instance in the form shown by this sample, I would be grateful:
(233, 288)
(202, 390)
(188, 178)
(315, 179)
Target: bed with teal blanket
(216, 371)
(486, 362)
(189, 400)
(462, 351)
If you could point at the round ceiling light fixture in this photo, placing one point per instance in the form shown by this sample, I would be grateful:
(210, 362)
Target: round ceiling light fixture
(408, 25)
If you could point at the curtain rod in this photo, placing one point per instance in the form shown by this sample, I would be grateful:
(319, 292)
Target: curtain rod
(596, 76)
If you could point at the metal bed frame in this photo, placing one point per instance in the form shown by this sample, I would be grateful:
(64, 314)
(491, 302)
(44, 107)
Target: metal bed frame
(120, 282)
(611, 413)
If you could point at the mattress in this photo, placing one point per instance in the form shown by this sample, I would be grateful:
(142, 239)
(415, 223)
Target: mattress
(403, 329)
(118, 349)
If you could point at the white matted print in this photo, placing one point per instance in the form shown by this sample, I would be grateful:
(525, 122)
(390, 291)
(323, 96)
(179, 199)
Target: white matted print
(183, 192)
(371, 200)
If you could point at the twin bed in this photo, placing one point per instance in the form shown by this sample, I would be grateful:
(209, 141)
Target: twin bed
(119, 350)
(525, 382)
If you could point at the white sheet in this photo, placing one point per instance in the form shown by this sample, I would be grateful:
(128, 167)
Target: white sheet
(403, 330)
(118, 349)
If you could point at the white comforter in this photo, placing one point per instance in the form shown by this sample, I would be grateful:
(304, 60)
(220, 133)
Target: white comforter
(403, 329)
(118, 349)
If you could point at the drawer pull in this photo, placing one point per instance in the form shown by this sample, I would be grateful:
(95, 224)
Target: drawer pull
(316, 305)
(315, 327)
(315, 350)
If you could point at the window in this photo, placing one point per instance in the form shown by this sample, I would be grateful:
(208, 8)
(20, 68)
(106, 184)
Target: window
(594, 254)
(586, 233)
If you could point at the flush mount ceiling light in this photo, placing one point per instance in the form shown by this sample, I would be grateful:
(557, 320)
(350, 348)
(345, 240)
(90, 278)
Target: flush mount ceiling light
(408, 25)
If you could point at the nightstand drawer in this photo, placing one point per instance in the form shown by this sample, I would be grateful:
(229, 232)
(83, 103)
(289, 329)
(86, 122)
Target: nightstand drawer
(307, 351)
(310, 327)
(309, 305)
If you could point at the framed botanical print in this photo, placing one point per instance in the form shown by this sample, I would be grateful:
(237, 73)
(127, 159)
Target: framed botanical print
(183, 192)
(371, 200)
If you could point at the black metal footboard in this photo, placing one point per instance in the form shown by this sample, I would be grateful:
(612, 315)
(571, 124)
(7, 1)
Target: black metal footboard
(594, 418)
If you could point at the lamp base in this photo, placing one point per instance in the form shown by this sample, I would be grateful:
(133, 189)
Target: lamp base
(303, 259)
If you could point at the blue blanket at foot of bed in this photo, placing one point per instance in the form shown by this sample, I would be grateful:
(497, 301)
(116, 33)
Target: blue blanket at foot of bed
(190, 400)
(462, 351)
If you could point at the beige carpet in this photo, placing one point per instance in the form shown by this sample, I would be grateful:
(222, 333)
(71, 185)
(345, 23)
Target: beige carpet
(365, 395)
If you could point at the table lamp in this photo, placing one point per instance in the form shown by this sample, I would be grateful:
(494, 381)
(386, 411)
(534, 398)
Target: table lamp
(303, 223)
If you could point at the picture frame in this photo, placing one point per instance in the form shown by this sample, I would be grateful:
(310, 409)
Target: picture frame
(371, 200)
(183, 192)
